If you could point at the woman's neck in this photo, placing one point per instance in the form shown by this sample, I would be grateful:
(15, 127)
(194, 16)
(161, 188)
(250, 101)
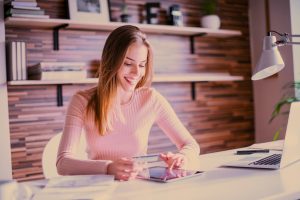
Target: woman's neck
(124, 96)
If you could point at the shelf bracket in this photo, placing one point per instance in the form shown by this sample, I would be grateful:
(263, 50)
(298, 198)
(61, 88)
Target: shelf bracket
(56, 36)
(193, 91)
(192, 41)
(59, 95)
(192, 50)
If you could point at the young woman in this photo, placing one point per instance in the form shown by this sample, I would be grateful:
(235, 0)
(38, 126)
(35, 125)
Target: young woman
(117, 115)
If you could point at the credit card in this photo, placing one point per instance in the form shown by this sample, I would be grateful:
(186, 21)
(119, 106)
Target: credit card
(147, 158)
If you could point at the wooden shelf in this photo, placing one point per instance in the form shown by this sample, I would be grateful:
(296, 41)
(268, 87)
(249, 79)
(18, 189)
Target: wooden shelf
(148, 28)
(53, 82)
(195, 77)
(158, 78)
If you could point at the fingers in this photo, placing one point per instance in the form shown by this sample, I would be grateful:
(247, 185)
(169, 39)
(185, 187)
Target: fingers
(173, 160)
(123, 169)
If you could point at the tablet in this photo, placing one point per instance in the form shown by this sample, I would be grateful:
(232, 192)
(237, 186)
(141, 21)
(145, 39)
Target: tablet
(165, 175)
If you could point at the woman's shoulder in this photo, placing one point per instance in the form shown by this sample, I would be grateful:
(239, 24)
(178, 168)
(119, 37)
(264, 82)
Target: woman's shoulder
(84, 95)
(148, 93)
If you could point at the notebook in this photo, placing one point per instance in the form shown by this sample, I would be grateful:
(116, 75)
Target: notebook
(277, 159)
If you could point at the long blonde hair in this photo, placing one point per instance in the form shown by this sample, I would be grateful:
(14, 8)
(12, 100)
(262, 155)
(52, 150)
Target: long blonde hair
(100, 104)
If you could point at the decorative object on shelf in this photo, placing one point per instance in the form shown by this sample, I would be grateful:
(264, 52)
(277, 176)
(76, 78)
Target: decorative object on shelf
(57, 71)
(27, 9)
(152, 10)
(16, 60)
(124, 13)
(96, 11)
(175, 15)
(210, 19)
(270, 61)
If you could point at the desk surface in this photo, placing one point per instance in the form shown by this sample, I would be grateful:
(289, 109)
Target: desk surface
(218, 183)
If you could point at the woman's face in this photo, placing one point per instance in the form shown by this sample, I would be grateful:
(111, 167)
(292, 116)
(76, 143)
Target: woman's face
(133, 67)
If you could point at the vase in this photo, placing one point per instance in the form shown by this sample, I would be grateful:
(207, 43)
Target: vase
(211, 21)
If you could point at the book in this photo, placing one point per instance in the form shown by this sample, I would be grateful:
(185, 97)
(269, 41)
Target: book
(11, 60)
(58, 75)
(25, 4)
(57, 71)
(29, 16)
(24, 11)
(23, 61)
(26, 8)
(19, 61)
(56, 66)
(24, 0)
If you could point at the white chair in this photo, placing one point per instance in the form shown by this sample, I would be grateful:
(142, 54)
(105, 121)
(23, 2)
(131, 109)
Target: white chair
(50, 154)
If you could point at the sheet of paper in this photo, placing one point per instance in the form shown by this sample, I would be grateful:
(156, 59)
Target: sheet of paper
(274, 145)
(78, 187)
(284, 196)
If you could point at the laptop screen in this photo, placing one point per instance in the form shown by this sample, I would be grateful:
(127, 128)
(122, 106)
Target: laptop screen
(291, 148)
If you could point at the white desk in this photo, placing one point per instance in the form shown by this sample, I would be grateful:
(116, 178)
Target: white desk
(217, 183)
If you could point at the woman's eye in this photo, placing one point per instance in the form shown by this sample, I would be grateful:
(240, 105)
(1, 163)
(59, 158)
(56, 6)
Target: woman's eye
(127, 64)
(142, 66)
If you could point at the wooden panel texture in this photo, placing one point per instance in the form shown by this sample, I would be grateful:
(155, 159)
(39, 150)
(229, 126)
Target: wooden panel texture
(220, 118)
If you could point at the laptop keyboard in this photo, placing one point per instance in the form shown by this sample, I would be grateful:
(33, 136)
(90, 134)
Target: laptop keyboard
(270, 160)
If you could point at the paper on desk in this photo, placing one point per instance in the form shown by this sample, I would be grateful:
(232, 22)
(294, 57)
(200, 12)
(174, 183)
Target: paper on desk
(78, 187)
(274, 145)
(290, 195)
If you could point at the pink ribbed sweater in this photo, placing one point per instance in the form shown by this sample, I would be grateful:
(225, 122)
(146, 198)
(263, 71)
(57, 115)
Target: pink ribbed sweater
(126, 139)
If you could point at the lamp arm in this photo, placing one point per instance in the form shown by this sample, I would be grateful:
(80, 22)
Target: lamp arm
(294, 35)
(291, 43)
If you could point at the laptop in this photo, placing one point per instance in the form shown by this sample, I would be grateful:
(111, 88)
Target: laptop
(277, 159)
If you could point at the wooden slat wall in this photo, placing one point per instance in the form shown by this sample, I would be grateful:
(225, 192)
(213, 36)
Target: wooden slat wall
(220, 118)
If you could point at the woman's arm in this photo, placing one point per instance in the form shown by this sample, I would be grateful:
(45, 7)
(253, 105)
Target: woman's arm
(168, 121)
(67, 163)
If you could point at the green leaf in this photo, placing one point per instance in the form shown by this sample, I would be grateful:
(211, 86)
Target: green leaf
(280, 104)
(286, 100)
(209, 6)
(277, 133)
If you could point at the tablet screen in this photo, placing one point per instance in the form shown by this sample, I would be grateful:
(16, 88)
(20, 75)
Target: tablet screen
(164, 174)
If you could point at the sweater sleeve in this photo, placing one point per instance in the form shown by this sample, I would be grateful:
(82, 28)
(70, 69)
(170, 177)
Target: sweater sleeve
(67, 163)
(168, 121)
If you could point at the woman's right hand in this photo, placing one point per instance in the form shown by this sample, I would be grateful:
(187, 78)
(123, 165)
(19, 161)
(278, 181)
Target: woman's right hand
(123, 169)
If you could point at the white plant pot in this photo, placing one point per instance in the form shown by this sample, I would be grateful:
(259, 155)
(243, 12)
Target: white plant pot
(211, 21)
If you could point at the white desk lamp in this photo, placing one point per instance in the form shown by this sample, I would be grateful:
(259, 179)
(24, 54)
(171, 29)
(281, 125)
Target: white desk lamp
(270, 61)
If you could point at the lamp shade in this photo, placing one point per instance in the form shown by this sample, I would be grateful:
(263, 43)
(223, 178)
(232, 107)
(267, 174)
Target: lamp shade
(270, 61)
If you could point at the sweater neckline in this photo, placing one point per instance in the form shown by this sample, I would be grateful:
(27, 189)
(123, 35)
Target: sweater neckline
(130, 100)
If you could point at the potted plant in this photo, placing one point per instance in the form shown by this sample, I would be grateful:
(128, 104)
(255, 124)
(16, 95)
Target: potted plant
(210, 18)
(287, 99)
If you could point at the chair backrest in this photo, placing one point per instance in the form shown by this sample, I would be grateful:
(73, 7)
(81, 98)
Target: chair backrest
(50, 155)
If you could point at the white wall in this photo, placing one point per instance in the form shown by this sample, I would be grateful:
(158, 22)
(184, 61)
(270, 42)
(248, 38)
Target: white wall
(268, 91)
(295, 30)
(5, 154)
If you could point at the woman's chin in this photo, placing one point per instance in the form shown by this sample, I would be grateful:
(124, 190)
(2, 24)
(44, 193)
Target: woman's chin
(129, 88)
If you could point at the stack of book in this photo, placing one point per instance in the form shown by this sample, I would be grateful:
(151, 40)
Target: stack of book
(16, 60)
(23, 8)
(57, 71)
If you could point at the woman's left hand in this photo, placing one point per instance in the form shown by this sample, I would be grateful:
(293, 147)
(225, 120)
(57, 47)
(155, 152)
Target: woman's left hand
(174, 161)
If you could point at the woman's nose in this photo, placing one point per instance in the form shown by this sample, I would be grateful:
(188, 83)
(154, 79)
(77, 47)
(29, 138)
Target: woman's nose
(135, 70)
